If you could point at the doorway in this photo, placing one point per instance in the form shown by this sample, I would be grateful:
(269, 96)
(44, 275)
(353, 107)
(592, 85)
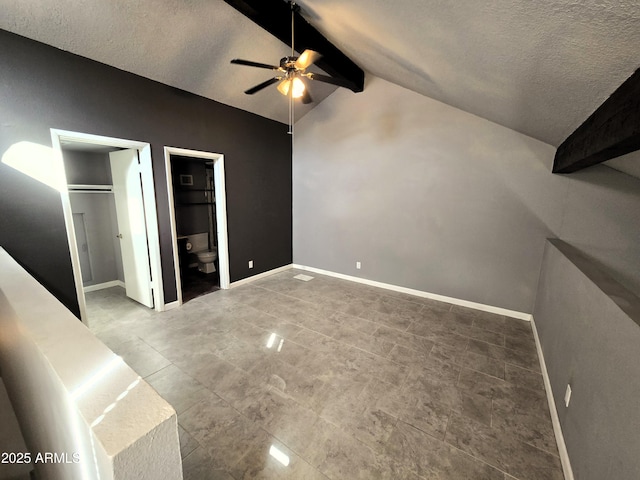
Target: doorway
(128, 197)
(198, 216)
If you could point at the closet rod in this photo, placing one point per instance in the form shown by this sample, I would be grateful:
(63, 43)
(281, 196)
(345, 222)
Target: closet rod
(75, 188)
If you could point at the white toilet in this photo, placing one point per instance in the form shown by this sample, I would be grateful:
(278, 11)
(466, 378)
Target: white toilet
(198, 244)
(206, 259)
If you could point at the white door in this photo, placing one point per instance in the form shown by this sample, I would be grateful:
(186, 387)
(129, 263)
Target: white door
(127, 191)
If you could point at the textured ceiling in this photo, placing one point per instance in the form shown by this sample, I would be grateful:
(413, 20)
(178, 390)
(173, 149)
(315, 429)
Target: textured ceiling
(187, 44)
(539, 67)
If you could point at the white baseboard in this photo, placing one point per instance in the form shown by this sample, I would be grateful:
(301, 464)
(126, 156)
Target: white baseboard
(419, 293)
(557, 429)
(102, 286)
(244, 281)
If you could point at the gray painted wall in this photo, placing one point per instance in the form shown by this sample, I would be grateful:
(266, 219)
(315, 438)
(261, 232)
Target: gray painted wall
(429, 197)
(101, 227)
(590, 342)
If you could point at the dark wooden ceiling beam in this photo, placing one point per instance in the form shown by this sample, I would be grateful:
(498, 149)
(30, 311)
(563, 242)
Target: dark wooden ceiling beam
(275, 17)
(612, 130)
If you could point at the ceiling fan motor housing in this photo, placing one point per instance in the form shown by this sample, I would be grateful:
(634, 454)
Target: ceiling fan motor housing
(288, 63)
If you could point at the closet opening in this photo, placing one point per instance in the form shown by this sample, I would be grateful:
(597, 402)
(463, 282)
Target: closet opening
(110, 216)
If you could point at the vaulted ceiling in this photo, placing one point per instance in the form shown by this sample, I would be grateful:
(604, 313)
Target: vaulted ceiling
(538, 67)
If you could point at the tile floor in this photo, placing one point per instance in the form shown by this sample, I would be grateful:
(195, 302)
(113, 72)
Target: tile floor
(346, 380)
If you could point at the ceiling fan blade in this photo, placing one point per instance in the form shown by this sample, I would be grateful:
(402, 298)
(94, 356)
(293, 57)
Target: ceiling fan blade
(327, 79)
(249, 63)
(307, 58)
(262, 85)
(306, 97)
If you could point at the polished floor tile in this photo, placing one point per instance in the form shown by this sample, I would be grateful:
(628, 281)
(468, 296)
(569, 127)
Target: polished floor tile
(328, 379)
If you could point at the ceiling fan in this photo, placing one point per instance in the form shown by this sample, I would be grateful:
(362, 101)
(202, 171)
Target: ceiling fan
(291, 73)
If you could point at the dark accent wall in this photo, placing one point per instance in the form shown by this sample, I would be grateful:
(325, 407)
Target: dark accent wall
(42, 87)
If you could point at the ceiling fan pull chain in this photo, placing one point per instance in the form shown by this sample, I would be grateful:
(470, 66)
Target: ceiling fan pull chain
(290, 132)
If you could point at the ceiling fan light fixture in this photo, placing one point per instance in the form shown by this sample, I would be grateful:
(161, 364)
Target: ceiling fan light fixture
(292, 83)
(283, 87)
(298, 87)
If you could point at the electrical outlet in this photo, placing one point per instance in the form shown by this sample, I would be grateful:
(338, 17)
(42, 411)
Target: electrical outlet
(250, 263)
(567, 396)
(358, 265)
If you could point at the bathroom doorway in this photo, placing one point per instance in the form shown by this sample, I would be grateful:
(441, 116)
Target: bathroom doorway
(198, 214)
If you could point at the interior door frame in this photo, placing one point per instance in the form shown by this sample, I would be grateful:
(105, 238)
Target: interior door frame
(149, 201)
(221, 212)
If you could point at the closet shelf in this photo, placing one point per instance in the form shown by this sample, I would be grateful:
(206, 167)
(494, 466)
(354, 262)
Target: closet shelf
(182, 189)
(85, 188)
